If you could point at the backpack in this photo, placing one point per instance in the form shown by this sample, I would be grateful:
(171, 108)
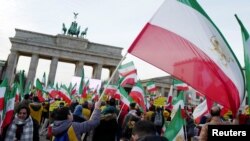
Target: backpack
(62, 137)
(68, 135)
(158, 119)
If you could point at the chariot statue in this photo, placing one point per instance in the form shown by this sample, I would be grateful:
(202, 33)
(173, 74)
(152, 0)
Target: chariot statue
(74, 29)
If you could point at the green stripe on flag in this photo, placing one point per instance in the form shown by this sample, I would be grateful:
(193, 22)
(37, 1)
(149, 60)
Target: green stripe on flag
(173, 130)
(196, 6)
(246, 44)
(179, 98)
(39, 85)
(244, 32)
(126, 65)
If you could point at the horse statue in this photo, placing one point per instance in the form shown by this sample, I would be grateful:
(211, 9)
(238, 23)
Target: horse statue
(64, 29)
(78, 31)
(73, 29)
(84, 33)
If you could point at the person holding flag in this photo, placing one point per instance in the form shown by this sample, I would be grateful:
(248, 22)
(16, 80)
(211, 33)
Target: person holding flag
(65, 129)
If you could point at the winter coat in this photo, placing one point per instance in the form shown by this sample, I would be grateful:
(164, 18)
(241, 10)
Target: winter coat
(107, 129)
(62, 126)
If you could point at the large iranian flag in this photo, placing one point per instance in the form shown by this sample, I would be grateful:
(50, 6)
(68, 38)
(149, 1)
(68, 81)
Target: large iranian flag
(182, 40)
(246, 44)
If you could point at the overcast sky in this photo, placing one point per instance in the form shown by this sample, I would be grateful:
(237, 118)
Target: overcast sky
(111, 22)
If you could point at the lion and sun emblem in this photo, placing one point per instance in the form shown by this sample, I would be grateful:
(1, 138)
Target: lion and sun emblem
(224, 56)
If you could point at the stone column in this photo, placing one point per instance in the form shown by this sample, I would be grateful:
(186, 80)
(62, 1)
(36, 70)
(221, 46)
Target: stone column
(11, 66)
(116, 76)
(32, 69)
(78, 69)
(97, 72)
(162, 91)
(52, 70)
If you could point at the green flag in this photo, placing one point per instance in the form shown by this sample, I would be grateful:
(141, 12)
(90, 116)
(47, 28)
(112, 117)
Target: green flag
(174, 131)
(39, 85)
(28, 88)
(81, 83)
(246, 44)
(44, 80)
(21, 83)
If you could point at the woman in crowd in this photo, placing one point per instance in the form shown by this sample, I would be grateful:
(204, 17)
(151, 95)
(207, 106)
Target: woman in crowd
(22, 127)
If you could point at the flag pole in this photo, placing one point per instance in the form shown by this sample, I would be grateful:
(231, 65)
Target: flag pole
(120, 112)
(113, 74)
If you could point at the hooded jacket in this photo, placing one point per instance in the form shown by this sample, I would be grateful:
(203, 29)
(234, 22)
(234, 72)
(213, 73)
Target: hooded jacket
(60, 127)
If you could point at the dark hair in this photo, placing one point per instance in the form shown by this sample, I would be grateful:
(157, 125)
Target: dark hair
(144, 128)
(26, 96)
(138, 112)
(61, 113)
(85, 104)
(112, 102)
(152, 108)
(61, 104)
(215, 111)
(132, 105)
(23, 107)
(35, 99)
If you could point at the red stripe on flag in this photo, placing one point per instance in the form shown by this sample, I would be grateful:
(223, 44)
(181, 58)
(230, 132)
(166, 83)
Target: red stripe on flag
(179, 54)
(1, 103)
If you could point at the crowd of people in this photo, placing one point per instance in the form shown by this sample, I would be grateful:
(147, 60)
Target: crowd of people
(102, 121)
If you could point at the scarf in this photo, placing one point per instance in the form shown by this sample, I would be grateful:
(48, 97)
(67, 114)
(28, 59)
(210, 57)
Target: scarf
(20, 129)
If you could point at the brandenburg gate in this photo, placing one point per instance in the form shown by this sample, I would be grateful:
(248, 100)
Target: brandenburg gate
(64, 48)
